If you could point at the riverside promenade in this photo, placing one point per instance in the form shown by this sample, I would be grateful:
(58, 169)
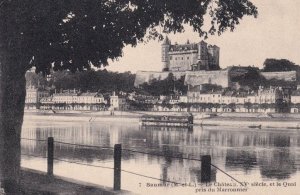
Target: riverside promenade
(36, 183)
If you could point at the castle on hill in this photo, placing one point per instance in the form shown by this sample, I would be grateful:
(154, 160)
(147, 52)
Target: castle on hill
(189, 56)
(199, 64)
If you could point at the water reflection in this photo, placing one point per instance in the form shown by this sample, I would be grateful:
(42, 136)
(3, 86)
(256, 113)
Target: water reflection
(277, 165)
(271, 154)
(245, 160)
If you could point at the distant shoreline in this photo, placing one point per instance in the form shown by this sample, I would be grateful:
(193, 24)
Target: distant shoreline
(251, 120)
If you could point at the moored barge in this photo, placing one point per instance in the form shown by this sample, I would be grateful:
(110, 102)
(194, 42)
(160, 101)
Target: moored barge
(163, 120)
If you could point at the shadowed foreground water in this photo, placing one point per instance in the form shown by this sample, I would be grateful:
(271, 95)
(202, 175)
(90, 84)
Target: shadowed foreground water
(248, 155)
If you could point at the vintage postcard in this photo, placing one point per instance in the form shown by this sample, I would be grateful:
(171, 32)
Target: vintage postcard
(150, 97)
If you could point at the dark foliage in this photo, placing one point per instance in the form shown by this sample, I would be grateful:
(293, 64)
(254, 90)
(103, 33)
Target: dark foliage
(101, 81)
(168, 86)
(210, 87)
(73, 34)
(250, 78)
(94, 81)
(275, 65)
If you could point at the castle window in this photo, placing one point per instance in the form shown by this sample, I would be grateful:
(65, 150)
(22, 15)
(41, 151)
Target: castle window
(188, 58)
(182, 58)
(170, 57)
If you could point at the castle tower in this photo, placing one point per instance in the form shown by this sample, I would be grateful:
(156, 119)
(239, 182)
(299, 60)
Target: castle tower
(203, 56)
(165, 47)
(214, 57)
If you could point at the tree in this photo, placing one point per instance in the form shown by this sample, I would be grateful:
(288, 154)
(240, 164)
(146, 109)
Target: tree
(76, 34)
(248, 106)
(264, 106)
(249, 77)
(217, 106)
(232, 106)
(94, 81)
(275, 65)
(167, 86)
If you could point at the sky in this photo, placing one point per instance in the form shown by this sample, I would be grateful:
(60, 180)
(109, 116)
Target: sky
(275, 33)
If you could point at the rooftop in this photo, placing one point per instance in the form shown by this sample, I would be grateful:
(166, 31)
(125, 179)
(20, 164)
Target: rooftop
(296, 93)
(184, 47)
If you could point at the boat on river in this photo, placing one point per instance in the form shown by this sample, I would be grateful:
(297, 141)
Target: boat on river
(255, 126)
(164, 120)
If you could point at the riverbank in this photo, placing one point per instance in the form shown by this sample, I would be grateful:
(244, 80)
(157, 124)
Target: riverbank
(251, 120)
(36, 182)
(65, 116)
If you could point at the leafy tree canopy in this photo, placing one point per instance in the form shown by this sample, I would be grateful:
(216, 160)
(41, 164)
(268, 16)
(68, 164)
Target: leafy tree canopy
(168, 86)
(275, 65)
(102, 81)
(74, 34)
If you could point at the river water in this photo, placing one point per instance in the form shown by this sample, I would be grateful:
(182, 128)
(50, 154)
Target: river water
(255, 156)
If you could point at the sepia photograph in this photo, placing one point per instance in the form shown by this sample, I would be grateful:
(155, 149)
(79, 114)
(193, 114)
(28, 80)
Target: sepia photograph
(162, 97)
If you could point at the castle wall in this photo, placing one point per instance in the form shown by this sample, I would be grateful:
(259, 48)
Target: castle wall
(218, 77)
(285, 76)
(193, 78)
(182, 61)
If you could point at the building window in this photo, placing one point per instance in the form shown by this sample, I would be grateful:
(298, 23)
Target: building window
(170, 57)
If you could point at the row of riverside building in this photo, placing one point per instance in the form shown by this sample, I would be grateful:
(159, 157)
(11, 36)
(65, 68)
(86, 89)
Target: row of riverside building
(273, 99)
(39, 98)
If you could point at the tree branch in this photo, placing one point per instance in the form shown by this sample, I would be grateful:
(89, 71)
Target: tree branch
(2, 2)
